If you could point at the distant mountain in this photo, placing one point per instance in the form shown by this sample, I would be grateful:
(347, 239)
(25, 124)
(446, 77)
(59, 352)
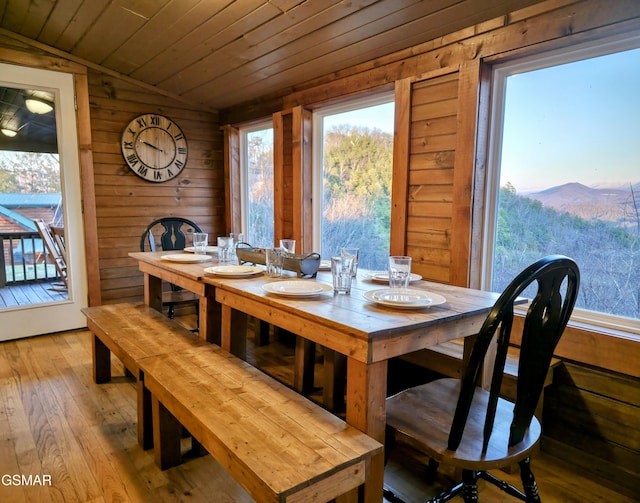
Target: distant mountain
(609, 204)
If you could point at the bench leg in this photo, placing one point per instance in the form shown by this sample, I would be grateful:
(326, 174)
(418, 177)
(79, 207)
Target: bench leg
(166, 433)
(145, 425)
(101, 361)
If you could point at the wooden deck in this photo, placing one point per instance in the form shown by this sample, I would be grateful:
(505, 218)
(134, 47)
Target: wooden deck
(31, 293)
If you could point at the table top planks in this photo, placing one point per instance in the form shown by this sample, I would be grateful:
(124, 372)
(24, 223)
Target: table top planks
(352, 325)
(347, 323)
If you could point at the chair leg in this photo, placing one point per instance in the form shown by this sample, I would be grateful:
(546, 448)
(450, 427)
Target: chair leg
(470, 486)
(529, 481)
(172, 312)
(503, 485)
(448, 493)
(432, 470)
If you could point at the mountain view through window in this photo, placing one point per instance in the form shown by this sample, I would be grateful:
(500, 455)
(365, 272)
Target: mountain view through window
(570, 177)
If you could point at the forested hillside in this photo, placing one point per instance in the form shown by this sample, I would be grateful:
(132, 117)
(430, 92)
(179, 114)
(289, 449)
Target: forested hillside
(357, 193)
(608, 255)
(29, 173)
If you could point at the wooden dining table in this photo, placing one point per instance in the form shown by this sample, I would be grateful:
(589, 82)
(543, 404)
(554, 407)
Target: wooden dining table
(369, 334)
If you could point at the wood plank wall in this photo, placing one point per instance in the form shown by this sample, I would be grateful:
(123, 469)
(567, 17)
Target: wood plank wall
(591, 417)
(437, 155)
(434, 122)
(125, 203)
(283, 179)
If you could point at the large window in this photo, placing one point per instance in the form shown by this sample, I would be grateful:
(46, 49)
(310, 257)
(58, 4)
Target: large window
(256, 157)
(565, 174)
(353, 159)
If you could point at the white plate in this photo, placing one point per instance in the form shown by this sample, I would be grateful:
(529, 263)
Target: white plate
(297, 288)
(383, 277)
(186, 258)
(404, 298)
(210, 249)
(234, 270)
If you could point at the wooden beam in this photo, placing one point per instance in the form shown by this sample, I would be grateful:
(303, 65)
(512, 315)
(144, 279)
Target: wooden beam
(232, 196)
(400, 176)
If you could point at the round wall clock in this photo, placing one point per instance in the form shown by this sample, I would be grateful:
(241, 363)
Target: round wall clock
(154, 147)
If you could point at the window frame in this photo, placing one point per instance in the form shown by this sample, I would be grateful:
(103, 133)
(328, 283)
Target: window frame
(319, 113)
(499, 72)
(243, 131)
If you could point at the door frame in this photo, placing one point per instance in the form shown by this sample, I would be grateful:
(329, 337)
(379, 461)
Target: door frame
(84, 184)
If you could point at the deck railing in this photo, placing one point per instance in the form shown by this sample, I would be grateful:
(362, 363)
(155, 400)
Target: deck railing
(24, 259)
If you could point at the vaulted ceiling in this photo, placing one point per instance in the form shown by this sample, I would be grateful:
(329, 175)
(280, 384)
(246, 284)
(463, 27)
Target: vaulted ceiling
(220, 53)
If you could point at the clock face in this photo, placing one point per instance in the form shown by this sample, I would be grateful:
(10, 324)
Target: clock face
(154, 147)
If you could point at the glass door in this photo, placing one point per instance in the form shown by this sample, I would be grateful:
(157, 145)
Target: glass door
(42, 266)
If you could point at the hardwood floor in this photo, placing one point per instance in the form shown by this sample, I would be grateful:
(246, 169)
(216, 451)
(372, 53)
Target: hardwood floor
(57, 425)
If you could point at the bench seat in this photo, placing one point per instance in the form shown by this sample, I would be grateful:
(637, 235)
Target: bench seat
(276, 443)
(134, 332)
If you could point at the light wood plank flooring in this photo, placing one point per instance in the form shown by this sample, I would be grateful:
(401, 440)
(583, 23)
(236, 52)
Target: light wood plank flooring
(54, 421)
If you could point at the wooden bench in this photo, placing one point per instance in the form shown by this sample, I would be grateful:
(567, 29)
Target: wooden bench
(447, 358)
(132, 333)
(276, 443)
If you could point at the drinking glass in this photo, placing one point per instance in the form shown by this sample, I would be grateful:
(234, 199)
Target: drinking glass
(341, 272)
(274, 262)
(399, 271)
(288, 245)
(200, 241)
(225, 243)
(353, 253)
(237, 237)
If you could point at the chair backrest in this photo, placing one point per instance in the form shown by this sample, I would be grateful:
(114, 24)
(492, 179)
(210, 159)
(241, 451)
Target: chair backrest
(58, 255)
(558, 280)
(173, 234)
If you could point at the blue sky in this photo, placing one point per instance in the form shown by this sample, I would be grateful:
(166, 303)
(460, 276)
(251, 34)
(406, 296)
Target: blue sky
(379, 116)
(577, 122)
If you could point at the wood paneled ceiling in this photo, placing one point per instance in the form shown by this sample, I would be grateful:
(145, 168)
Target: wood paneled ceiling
(220, 53)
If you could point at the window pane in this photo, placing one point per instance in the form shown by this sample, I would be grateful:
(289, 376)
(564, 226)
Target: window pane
(357, 168)
(259, 188)
(570, 177)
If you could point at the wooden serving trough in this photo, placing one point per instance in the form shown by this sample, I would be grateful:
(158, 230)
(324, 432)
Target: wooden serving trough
(305, 266)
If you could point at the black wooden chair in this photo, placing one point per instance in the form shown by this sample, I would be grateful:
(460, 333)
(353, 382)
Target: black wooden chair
(456, 423)
(170, 233)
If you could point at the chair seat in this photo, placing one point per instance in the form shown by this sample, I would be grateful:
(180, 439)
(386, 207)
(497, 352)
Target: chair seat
(425, 413)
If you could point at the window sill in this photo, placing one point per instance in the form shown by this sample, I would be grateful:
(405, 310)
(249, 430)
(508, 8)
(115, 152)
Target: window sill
(605, 348)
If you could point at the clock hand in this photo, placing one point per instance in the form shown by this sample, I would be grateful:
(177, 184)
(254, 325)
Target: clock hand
(150, 145)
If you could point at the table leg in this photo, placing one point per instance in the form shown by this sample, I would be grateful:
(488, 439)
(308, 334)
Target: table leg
(234, 331)
(304, 365)
(209, 314)
(153, 292)
(366, 410)
(101, 360)
(335, 370)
